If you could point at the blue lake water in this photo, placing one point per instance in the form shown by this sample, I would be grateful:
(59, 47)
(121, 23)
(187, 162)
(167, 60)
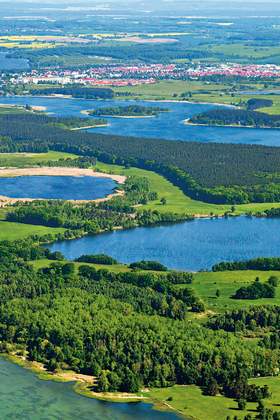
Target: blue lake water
(24, 396)
(191, 245)
(57, 187)
(168, 126)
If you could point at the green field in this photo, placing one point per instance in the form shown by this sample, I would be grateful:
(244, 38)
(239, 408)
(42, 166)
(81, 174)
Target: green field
(244, 51)
(169, 89)
(13, 231)
(116, 268)
(177, 201)
(227, 282)
(189, 401)
(29, 159)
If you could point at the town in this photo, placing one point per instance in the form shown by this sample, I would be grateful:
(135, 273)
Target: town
(133, 75)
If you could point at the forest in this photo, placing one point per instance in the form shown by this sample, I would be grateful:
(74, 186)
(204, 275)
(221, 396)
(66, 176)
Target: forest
(210, 172)
(94, 320)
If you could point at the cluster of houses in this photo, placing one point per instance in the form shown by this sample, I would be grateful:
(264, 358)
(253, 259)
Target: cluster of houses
(133, 75)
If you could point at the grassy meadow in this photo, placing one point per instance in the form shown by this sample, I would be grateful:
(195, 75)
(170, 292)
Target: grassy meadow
(13, 231)
(177, 201)
(30, 159)
(190, 402)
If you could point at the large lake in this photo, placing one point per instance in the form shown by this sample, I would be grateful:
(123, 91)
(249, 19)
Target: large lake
(166, 125)
(24, 396)
(191, 245)
(57, 187)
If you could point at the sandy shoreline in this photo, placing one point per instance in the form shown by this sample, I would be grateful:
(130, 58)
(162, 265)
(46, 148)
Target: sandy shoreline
(35, 108)
(88, 126)
(83, 385)
(58, 171)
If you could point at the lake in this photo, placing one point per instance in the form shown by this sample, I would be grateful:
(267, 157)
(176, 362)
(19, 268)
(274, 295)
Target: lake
(24, 396)
(57, 187)
(167, 125)
(192, 245)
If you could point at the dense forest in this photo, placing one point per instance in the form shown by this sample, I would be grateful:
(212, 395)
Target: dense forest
(128, 329)
(211, 172)
(236, 117)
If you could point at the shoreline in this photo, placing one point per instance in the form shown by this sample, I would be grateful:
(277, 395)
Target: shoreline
(33, 108)
(83, 383)
(88, 126)
(187, 122)
(59, 171)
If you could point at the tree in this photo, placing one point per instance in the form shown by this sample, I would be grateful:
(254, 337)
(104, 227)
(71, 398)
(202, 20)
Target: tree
(163, 201)
(241, 404)
(52, 365)
(212, 387)
(260, 406)
(273, 281)
(218, 293)
(68, 269)
(130, 382)
(103, 384)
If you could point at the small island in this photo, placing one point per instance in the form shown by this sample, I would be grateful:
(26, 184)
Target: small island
(231, 117)
(129, 111)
